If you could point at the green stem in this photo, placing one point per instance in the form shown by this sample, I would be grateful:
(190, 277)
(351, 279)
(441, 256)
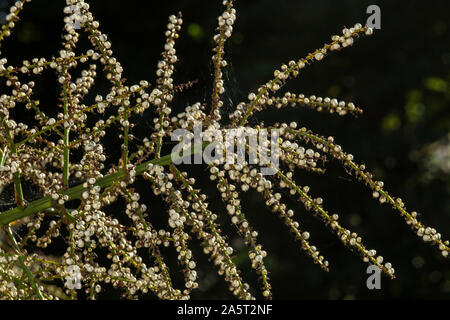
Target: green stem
(125, 142)
(76, 192)
(66, 158)
(66, 145)
(25, 268)
(3, 156)
(17, 183)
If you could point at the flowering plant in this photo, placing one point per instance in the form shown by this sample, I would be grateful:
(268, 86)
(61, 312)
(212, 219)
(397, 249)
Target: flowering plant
(76, 194)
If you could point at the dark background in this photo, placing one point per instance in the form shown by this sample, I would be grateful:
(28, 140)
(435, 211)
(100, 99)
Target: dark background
(400, 76)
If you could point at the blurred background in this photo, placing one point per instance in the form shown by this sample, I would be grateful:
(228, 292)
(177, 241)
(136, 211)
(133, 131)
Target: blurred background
(400, 76)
